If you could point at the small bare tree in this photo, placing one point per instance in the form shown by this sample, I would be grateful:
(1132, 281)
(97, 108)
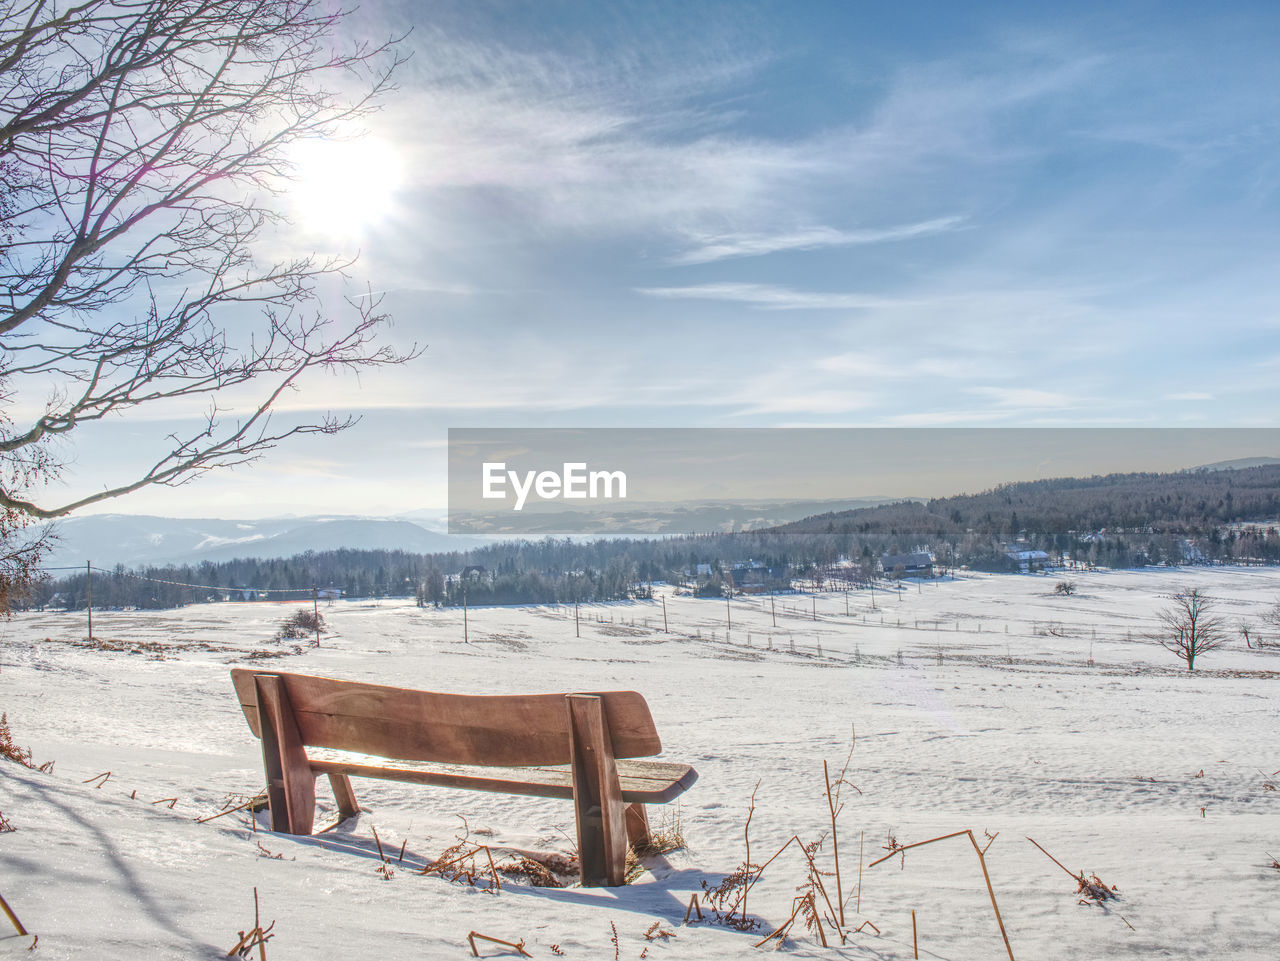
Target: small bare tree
(1188, 629)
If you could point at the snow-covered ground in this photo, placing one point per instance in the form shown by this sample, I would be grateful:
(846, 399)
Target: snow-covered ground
(986, 702)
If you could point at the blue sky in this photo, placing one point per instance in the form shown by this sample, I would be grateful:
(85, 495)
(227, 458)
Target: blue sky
(758, 214)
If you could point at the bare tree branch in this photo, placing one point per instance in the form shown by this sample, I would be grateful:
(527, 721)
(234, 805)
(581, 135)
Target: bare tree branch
(142, 147)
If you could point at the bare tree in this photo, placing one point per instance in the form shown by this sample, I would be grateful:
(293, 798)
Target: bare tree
(1188, 629)
(143, 148)
(22, 546)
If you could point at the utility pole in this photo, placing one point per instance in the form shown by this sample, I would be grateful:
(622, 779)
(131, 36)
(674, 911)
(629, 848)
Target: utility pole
(773, 610)
(728, 616)
(466, 639)
(577, 631)
(88, 593)
(815, 607)
(664, 615)
(315, 609)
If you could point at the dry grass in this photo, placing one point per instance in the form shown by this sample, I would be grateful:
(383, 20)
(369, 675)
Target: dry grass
(264, 655)
(533, 871)
(666, 836)
(460, 863)
(11, 751)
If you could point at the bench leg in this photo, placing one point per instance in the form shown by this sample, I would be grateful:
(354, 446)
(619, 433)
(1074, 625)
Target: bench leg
(597, 795)
(344, 795)
(291, 784)
(637, 825)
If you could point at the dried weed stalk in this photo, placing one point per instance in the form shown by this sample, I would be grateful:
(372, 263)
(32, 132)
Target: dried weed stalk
(273, 856)
(458, 863)
(693, 909)
(729, 898)
(1091, 889)
(835, 807)
(805, 904)
(893, 847)
(256, 937)
(901, 849)
(657, 932)
(13, 918)
(517, 946)
(237, 802)
(5, 826)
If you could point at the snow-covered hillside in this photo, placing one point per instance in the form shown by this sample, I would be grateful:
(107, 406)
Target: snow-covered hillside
(136, 540)
(987, 703)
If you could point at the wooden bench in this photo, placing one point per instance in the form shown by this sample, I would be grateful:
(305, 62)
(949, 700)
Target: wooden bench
(573, 746)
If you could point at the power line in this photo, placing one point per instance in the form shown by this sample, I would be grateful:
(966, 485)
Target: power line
(197, 587)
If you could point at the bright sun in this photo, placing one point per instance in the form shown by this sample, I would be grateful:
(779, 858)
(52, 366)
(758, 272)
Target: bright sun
(343, 187)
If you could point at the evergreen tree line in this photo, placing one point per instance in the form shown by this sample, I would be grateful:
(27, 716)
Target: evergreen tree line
(1115, 521)
(1186, 503)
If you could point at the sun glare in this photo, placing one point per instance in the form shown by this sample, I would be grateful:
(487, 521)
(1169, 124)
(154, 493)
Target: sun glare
(344, 187)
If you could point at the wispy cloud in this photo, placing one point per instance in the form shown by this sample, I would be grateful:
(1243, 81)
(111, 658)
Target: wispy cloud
(767, 297)
(713, 248)
(618, 141)
(1022, 397)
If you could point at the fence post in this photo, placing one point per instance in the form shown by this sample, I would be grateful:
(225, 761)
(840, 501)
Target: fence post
(88, 591)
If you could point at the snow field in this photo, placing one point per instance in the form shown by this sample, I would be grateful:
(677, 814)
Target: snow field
(1041, 715)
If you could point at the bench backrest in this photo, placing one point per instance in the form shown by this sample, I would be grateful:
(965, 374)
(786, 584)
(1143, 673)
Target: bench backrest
(498, 730)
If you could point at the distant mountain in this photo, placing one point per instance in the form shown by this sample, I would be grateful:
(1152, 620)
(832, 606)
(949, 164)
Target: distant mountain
(1240, 463)
(136, 540)
(649, 518)
(1186, 502)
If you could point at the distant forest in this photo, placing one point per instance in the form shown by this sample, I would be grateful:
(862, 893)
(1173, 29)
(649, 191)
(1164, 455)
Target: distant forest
(1118, 520)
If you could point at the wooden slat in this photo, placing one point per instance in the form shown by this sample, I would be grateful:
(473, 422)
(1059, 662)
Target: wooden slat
(642, 782)
(597, 796)
(487, 730)
(291, 785)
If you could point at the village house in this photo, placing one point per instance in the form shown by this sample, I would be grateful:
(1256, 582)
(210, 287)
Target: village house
(915, 564)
